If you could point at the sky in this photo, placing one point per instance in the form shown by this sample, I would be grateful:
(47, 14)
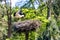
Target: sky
(13, 2)
(19, 3)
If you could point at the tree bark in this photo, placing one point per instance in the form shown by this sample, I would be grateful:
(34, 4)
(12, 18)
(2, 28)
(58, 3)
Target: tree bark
(49, 9)
(9, 19)
(26, 35)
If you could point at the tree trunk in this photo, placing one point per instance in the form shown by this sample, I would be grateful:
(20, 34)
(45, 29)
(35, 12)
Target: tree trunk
(26, 35)
(45, 37)
(49, 9)
(9, 21)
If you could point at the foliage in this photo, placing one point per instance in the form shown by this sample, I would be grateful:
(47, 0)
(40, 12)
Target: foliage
(32, 14)
(39, 14)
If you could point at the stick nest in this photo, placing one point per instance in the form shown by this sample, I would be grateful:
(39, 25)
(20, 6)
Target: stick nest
(27, 25)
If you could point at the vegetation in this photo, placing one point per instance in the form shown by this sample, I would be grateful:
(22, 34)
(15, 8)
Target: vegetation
(48, 13)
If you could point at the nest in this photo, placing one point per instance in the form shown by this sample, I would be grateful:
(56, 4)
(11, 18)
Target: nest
(27, 25)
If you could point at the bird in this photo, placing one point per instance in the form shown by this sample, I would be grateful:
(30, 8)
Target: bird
(18, 14)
